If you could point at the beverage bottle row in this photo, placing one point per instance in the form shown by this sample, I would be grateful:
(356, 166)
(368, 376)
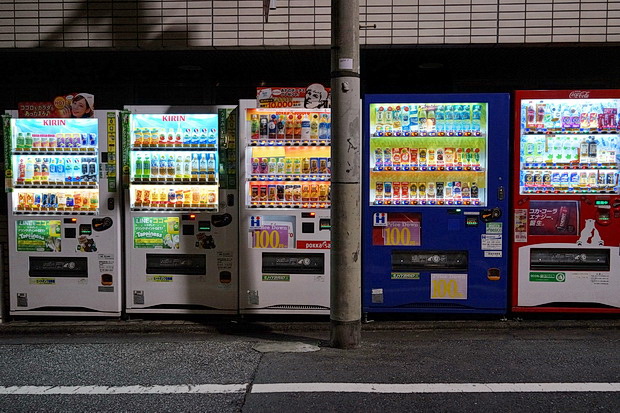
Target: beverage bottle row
(161, 137)
(397, 159)
(397, 120)
(56, 170)
(573, 115)
(290, 166)
(290, 127)
(64, 200)
(196, 165)
(169, 198)
(58, 141)
(565, 179)
(289, 193)
(409, 191)
(570, 149)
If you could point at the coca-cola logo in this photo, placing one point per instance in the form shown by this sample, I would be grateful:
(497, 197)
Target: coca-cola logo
(314, 245)
(579, 94)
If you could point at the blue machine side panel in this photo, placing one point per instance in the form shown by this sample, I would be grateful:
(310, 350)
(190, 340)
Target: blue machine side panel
(404, 278)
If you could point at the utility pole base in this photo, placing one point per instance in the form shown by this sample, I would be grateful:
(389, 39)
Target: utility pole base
(345, 334)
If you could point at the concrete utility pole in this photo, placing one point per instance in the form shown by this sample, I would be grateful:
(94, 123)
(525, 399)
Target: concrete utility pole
(346, 272)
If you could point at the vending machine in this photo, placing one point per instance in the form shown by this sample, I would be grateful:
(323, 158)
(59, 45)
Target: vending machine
(181, 219)
(64, 215)
(435, 209)
(285, 213)
(566, 202)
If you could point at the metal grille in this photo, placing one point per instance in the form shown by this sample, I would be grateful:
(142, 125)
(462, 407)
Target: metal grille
(180, 24)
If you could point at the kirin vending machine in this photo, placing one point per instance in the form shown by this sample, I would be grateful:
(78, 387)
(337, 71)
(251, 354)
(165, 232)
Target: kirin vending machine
(64, 215)
(435, 209)
(566, 201)
(285, 211)
(181, 229)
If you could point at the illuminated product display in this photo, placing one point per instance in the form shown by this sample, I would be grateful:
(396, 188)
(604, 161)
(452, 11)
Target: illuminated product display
(435, 170)
(64, 215)
(285, 219)
(181, 209)
(566, 201)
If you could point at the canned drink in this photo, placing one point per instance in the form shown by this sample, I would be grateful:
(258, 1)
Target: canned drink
(280, 193)
(262, 192)
(60, 140)
(314, 165)
(465, 191)
(68, 140)
(272, 193)
(305, 166)
(564, 178)
(439, 189)
(396, 190)
(263, 166)
(378, 190)
(297, 196)
(611, 178)
(329, 165)
(255, 166)
(53, 200)
(83, 139)
(592, 178)
(387, 190)
(474, 190)
(431, 190)
(422, 156)
(77, 140)
(574, 178)
(305, 192)
(323, 192)
(413, 190)
(528, 178)
(422, 191)
(322, 165)
(92, 139)
(314, 192)
(138, 196)
(405, 158)
(602, 178)
(448, 189)
(404, 190)
(272, 166)
(45, 200)
(456, 190)
(70, 202)
(297, 166)
(413, 153)
(211, 197)
(288, 193)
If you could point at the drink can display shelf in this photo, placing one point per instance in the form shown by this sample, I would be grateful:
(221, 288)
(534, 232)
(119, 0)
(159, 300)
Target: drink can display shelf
(428, 202)
(174, 207)
(175, 147)
(55, 185)
(572, 131)
(275, 142)
(569, 166)
(54, 211)
(172, 181)
(577, 190)
(289, 177)
(430, 168)
(55, 151)
(475, 134)
(289, 204)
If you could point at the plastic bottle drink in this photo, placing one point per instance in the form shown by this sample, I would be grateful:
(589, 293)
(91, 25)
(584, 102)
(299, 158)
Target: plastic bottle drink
(187, 167)
(476, 115)
(263, 127)
(305, 128)
(171, 166)
(163, 166)
(254, 127)
(76, 176)
(178, 167)
(323, 126)
(29, 169)
(21, 174)
(139, 167)
(195, 169)
(19, 144)
(314, 127)
(28, 141)
(36, 141)
(202, 163)
(297, 127)
(53, 170)
(289, 127)
(178, 136)
(211, 164)
(204, 137)
(440, 116)
(405, 119)
(154, 166)
(465, 118)
(60, 170)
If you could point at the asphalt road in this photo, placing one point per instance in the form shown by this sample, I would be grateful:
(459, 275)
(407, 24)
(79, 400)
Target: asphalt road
(507, 366)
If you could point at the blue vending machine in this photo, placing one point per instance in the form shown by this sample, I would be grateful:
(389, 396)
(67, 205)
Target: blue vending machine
(435, 203)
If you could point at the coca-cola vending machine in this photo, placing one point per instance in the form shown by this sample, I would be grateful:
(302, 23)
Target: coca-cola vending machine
(566, 204)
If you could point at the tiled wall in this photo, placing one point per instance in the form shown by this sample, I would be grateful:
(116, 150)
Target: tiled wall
(160, 24)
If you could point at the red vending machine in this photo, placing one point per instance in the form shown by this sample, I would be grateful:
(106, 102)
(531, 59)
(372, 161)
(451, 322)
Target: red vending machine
(566, 202)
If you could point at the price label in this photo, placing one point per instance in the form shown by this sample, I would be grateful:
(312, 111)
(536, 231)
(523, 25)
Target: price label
(275, 237)
(449, 286)
(396, 229)
(398, 235)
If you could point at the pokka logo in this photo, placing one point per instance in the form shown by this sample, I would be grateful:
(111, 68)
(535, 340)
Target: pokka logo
(54, 122)
(314, 245)
(173, 118)
(579, 94)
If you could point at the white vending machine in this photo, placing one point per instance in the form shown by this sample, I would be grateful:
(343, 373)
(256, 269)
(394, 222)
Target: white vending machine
(64, 215)
(285, 210)
(181, 209)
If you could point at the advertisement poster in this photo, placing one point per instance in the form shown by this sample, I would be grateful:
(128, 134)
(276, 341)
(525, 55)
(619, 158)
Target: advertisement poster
(553, 218)
(35, 134)
(72, 105)
(396, 229)
(156, 232)
(38, 235)
(314, 96)
(268, 232)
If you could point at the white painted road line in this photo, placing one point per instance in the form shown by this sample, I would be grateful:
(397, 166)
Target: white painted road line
(434, 387)
(317, 388)
(156, 389)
